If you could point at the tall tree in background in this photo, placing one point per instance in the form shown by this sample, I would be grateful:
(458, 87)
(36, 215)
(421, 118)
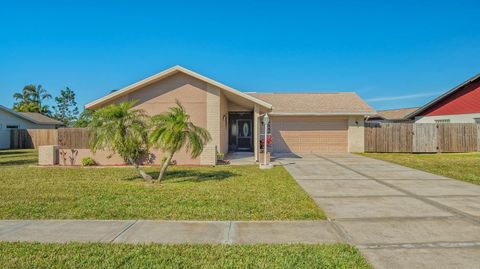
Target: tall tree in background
(66, 109)
(31, 99)
(84, 119)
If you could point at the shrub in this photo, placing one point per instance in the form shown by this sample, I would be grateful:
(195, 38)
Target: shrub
(87, 161)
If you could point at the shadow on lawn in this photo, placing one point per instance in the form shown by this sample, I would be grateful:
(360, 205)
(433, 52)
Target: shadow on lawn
(15, 152)
(17, 162)
(187, 175)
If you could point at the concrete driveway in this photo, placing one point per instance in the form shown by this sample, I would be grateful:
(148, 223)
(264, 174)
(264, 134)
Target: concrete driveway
(397, 216)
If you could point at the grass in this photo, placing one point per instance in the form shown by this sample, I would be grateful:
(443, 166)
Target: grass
(75, 255)
(462, 166)
(188, 193)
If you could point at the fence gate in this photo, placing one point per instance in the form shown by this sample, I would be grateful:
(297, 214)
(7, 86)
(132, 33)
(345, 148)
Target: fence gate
(424, 137)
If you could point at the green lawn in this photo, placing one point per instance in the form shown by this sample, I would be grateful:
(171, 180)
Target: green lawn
(188, 193)
(73, 255)
(462, 166)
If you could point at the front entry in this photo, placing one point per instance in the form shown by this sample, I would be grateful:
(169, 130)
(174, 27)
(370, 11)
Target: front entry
(240, 131)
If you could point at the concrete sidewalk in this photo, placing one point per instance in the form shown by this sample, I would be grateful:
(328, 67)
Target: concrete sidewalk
(168, 232)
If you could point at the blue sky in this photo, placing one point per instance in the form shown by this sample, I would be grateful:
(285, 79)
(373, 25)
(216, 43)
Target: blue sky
(394, 55)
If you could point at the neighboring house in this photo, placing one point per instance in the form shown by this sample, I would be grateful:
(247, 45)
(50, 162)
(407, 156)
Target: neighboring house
(10, 119)
(459, 105)
(392, 115)
(300, 122)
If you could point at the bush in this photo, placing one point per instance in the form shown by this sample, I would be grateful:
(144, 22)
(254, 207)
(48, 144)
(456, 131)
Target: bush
(87, 161)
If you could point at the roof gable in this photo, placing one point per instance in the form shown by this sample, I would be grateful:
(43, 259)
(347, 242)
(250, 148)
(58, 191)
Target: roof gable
(462, 96)
(166, 73)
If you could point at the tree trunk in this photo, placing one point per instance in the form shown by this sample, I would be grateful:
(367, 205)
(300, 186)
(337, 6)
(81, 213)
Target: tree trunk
(164, 166)
(142, 173)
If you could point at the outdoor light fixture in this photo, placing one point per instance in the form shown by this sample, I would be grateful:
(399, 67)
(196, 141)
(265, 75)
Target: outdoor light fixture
(265, 165)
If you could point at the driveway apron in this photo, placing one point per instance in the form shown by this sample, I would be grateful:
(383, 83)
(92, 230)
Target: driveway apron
(397, 216)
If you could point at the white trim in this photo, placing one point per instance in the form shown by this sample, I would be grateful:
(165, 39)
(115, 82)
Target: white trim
(166, 73)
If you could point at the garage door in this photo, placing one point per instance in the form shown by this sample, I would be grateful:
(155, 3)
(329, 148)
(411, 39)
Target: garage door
(309, 134)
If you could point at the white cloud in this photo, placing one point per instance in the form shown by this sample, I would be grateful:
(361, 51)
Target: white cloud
(401, 97)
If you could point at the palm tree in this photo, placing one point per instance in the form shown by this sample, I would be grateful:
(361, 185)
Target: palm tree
(173, 130)
(39, 95)
(121, 129)
(30, 99)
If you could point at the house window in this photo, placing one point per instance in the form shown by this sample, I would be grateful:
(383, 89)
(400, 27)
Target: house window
(477, 120)
(442, 121)
(12, 126)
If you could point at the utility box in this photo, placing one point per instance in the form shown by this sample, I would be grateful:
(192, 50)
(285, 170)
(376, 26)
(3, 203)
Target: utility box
(48, 155)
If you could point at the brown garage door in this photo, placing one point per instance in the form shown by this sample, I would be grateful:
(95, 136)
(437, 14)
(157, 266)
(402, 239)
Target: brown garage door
(309, 134)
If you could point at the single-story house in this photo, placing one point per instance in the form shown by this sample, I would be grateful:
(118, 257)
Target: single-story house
(10, 119)
(392, 115)
(459, 105)
(300, 122)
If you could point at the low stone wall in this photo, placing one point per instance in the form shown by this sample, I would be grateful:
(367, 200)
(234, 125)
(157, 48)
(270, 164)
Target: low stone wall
(69, 157)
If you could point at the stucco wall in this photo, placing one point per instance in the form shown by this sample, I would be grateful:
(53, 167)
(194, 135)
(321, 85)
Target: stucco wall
(232, 107)
(157, 98)
(356, 134)
(458, 118)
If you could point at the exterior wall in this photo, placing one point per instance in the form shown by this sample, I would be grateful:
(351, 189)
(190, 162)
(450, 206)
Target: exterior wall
(157, 98)
(232, 107)
(4, 139)
(208, 156)
(223, 124)
(7, 118)
(458, 118)
(103, 157)
(463, 101)
(356, 134)
(256, 132)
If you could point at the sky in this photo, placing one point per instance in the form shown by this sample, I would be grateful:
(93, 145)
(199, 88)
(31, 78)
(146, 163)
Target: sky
(393, 54)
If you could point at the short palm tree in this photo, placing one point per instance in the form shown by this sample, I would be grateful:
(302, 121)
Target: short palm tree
(121, 129)
(173, 130)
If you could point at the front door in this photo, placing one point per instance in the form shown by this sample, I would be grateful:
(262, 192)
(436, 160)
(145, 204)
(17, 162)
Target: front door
(244, 137)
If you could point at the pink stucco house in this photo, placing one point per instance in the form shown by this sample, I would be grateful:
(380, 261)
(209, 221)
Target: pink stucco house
(300, 122)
